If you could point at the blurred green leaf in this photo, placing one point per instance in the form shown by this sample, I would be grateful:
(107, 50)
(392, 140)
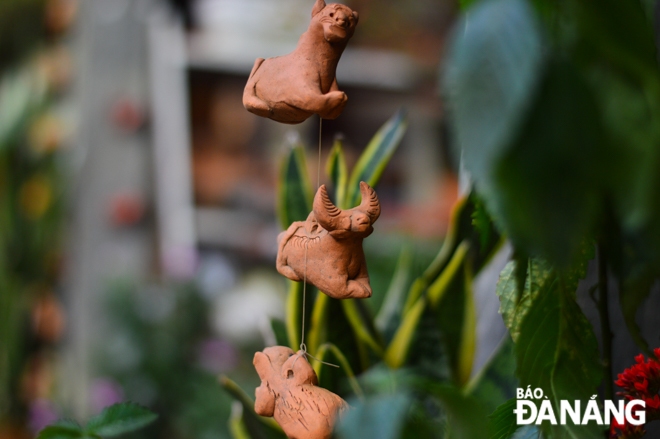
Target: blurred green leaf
(398, 349)
(294, 313)
(361, 326)
(318, 331)
(345, 366)
(496, 382)
(280, 330)
(338, 172)
(467, 416)
(119, 419)
(546, 192)
(237, 427)
(257, 426)
(618, 33)
(294, 200)
(378, 417)
(63, 429)
(557, 351)
(389, 315)
(376, 156)
(490, 77)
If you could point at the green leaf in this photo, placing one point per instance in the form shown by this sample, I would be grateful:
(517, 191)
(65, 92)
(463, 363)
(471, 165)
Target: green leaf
(280, 330)
(502, 423)
(119, 419)
(490, 77)
(294, 199)
(398, 349)
(546, 192)
(389, 315)
(557, 351)
(294, 313)
(616, 33)
(318, 330)
(378, 417)
(343, 364)
(337, 171)
(361, 327)
(63, 429)
(257, 426)
(376, 156)
(514, 302)
(467, 417)
(496, 382)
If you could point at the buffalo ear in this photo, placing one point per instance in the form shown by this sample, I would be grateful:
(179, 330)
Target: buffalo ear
(262, 365)
(318, 7)
(264, 401)
(356, 16)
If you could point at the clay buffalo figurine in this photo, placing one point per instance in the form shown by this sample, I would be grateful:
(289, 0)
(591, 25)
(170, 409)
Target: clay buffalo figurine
(328, 246)
(289, 392)
(292, 87)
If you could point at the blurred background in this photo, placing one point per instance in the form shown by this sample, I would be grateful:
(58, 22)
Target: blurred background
(138, 197)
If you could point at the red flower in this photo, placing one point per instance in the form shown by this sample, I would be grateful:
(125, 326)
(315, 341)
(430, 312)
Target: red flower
(641, 381)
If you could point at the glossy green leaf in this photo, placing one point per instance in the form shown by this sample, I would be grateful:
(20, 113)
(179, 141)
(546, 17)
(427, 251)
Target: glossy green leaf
(294, 198)
(490, 77)
(119, 419)
(338, 172)
(376, 156)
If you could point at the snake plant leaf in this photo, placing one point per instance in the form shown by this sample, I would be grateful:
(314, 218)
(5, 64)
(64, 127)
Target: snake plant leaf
(376, 156)
(345, 366)
(338, 172)
(294, 198)
(294, 313)
(119, 419)
(389, 315)
(257, 426)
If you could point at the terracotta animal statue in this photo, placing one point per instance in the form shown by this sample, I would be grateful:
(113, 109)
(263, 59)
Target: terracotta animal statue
(328, 245)
(292, 87)
(289, 392)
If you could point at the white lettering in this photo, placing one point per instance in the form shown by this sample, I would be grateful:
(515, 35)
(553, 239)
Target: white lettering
(592, 413)
(641, 414)
(611, 409)
(546, 413)
(520, 412)
(573, 412)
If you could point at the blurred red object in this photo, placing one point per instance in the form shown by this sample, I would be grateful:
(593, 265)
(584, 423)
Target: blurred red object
(128, 114)
(126, 209)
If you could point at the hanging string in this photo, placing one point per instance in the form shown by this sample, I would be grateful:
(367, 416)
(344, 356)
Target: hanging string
(303, 346)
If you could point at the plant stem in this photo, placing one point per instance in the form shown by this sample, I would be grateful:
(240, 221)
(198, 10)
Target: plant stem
(606, 331)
